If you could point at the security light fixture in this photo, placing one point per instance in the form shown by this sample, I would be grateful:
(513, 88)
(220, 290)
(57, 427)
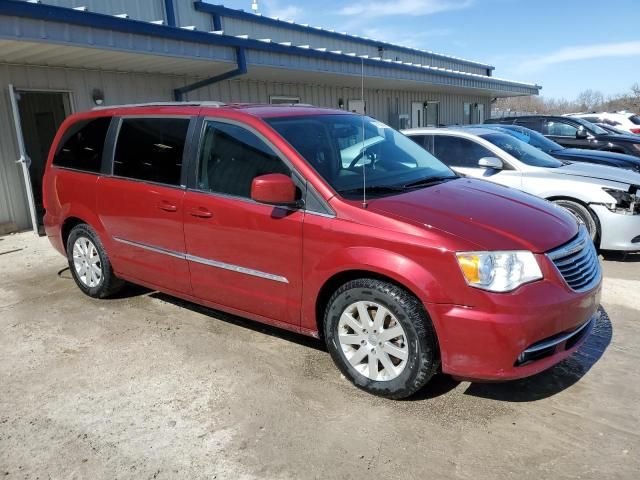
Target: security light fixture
(98, 97)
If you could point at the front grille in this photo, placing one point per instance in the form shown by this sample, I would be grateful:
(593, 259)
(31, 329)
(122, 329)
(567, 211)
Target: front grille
(577, 262)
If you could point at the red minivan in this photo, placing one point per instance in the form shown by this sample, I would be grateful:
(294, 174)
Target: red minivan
(326, 223)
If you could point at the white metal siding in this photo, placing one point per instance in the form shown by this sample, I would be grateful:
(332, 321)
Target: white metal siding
(147, 10)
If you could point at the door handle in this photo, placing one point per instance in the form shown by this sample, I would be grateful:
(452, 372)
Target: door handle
(201, 212)
(167, 207)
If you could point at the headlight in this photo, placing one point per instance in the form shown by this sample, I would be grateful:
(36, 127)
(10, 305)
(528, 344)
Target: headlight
(625, 202)
(498, 271)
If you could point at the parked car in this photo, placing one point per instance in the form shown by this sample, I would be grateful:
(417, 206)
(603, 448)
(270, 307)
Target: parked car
(603, 198)
(262, 211)
(574, 132)
(556, 150)
(628, 122)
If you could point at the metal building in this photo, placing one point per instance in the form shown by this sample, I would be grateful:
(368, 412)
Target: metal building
(61, 56)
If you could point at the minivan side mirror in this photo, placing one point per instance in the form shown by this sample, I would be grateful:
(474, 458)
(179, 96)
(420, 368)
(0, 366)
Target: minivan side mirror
(274, 189)
(581, 133)
(491, 162)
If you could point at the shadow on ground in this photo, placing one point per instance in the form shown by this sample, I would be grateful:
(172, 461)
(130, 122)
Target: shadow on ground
(540, 386)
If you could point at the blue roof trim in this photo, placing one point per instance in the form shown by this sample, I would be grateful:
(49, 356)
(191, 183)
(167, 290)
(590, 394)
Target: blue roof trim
(51, 13)
(223, 11)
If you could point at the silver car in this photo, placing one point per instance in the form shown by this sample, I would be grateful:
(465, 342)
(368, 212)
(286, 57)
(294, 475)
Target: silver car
(604, 198)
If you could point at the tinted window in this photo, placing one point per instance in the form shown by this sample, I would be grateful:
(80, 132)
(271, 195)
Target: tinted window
(151, 149)
(522, 151)
(635, 119)
(342, 153)
(231, 157)
(459, 152)
(561, 129)
(83, 144)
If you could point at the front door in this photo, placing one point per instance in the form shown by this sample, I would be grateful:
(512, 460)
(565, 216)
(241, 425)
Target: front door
(141, 204)
(242, 255)
(37, 116)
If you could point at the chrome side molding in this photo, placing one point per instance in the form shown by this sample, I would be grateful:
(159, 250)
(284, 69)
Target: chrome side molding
(205, 261)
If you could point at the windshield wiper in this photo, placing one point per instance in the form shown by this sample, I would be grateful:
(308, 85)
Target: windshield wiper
(375, 189)
(424, 182)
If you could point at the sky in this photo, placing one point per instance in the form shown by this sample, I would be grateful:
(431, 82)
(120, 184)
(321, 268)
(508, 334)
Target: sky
(567, 46)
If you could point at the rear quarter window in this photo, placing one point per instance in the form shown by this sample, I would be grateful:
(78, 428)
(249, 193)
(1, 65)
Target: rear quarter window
(82, 145)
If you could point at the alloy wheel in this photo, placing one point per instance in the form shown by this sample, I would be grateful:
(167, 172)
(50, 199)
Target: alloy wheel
(373, 341)
(86, 262)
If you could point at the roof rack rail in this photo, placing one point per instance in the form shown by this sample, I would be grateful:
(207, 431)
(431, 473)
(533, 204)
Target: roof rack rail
(206, 103)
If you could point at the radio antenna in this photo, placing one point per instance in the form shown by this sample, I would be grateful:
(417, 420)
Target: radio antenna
(364, 148)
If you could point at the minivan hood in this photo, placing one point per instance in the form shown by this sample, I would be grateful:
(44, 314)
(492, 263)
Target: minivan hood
(621, 158)
(489, 215)
(601, 172)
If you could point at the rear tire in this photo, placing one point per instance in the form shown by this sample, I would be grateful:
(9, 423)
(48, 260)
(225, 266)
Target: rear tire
(89, 263)
(583, 215)
(381, 338)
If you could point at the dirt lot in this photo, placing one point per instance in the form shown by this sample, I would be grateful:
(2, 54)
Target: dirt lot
(145, 386)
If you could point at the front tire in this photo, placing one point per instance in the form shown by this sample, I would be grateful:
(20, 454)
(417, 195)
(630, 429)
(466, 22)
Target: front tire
(583, 215)
(89, 263)
(381, 338)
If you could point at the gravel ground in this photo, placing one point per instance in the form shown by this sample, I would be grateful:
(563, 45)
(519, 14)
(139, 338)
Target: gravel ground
(147, 386)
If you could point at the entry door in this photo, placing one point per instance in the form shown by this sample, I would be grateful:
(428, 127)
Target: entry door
(23, 159)
(37, 117)
(242, 254)
(417, 115)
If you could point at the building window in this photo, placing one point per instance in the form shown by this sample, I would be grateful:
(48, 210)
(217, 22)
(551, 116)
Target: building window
(151, 149)
(83, 146)
(279, 100)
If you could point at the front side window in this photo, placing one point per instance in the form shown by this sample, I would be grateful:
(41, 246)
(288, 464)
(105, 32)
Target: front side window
(459, 152)
(338, 148)
(150, 149)
(231, 157)
(561, 129)
(522, 151)
(82, 145)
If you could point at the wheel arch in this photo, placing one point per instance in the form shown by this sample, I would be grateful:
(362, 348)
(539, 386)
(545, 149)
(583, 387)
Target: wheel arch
(340, 278)
(373, 263)
(593, 214)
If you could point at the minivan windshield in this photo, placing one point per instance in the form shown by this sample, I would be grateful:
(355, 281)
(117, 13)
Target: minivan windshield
(522, 151)
(336, 148)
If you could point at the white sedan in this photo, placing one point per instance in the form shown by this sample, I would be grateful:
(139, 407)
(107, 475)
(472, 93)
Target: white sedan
(604, 198)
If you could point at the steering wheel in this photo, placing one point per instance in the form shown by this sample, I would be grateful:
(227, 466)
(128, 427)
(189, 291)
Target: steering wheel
(357, 159)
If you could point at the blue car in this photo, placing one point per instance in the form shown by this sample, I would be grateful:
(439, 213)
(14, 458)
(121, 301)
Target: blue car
(556, 150)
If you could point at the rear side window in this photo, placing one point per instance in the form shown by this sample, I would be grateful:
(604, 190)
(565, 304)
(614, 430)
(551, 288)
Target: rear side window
(151, 149)
(635, 119)
(231, 157)
(82, 145)
(532, 123)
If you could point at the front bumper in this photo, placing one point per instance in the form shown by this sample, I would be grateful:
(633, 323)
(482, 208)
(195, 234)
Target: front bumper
(487, 342)
(617, 231)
